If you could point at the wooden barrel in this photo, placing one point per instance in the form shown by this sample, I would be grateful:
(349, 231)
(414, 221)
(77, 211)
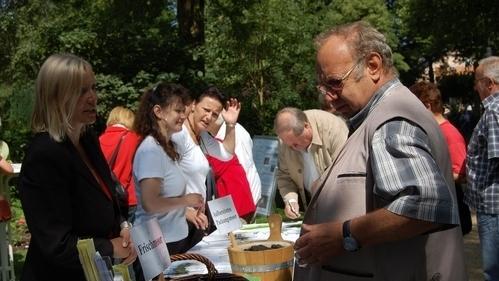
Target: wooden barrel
(269, 265)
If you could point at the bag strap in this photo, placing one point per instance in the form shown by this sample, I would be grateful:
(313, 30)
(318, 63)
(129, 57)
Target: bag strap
(115, 151)
(211, 190)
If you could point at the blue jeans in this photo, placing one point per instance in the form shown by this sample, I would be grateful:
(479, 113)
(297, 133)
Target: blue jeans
(488, 231)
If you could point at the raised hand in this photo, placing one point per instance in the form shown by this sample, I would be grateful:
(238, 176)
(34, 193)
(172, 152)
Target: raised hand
(231, 113)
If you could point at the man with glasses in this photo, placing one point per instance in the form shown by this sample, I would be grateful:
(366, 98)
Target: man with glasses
(308, 143)
(386, 209)
(482, 163)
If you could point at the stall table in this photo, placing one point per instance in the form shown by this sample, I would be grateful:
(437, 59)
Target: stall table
(214, 247)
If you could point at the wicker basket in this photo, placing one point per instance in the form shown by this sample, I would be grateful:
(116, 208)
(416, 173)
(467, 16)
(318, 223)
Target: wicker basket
(212, 271)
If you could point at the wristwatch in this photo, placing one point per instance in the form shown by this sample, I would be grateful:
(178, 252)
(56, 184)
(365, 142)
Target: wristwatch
(349, 242)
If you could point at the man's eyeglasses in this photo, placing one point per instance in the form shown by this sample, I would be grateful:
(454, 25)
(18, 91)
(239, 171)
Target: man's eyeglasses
(333, 84)
(480, 79)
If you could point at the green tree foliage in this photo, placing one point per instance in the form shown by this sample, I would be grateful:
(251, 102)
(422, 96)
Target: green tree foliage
(263, 51)
(259, 51)
(431, 30)
(129, 43)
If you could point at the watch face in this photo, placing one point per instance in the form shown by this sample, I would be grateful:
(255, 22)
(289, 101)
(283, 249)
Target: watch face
(350, 244)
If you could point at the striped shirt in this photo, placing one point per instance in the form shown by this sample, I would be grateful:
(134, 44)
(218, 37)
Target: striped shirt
(405, 173)
(482, 161)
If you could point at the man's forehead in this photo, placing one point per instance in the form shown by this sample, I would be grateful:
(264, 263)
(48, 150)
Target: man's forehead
(336, 48)
(333, 56)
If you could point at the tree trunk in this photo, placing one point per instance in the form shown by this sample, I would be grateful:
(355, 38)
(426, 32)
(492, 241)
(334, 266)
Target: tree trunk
(431, 73)
(190, 17)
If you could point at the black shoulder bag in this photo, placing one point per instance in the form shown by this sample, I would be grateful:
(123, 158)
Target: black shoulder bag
(119, 190)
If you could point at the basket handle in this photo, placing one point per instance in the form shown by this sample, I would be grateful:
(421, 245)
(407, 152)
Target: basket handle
(197, 257)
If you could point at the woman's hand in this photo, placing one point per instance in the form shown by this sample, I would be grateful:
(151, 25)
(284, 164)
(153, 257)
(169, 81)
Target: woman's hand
(197, 217)
(231, 113)
(127, 253)
(194, 200)
(125, 234)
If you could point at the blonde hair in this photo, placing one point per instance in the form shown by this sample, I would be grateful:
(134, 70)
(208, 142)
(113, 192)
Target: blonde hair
(58, 88)
(121, 115)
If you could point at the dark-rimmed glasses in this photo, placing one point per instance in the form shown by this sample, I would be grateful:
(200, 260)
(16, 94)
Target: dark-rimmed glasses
(334, 84)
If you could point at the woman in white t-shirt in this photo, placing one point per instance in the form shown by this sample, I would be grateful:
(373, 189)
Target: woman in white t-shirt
(204, 111)
(161, 186)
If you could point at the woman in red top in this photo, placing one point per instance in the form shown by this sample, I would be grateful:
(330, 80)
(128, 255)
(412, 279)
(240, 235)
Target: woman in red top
(119, 125)
(430, 96)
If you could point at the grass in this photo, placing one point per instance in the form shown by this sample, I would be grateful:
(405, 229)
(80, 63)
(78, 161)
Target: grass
(19, 257)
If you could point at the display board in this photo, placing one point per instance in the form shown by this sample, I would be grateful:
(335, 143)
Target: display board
(265, 149)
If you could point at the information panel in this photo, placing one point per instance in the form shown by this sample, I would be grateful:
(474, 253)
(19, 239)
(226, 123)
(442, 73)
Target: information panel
(265, 149)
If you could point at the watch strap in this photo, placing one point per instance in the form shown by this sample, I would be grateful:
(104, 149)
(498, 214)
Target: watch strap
(346, 229)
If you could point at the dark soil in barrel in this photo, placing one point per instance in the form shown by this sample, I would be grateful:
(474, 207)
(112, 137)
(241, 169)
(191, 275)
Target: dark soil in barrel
(261, 247)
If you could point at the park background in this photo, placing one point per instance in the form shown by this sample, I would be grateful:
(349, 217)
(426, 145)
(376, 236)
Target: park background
(260, 51)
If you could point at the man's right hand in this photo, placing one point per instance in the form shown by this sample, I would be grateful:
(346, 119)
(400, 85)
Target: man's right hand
(292, 209)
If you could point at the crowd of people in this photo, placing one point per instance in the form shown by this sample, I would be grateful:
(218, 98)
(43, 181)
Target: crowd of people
(383, 181)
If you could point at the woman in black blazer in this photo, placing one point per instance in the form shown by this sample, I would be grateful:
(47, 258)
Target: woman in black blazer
(65, 184)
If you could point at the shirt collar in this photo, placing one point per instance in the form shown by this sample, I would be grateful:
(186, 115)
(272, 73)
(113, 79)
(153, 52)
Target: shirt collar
(357, 119)
(316, 140)
(488, 100)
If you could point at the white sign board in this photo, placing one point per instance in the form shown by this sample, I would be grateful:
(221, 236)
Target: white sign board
(224, 214)
(265, 150)
(151, 248)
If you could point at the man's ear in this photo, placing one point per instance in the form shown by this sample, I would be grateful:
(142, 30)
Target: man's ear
(374, 64)
(491, 85)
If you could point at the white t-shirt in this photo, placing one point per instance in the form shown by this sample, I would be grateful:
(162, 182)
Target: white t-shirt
(244, 152)
(151, 161)
(193, 163)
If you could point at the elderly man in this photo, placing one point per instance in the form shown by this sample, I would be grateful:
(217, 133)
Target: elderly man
(309, 143)
(483, 166)
(386, 209)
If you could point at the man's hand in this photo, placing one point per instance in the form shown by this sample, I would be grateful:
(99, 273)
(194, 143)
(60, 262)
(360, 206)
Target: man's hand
(319, 242)
(292, 209)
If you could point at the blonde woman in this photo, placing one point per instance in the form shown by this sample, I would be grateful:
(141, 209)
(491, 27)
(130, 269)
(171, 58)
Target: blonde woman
(119, 143)
(65, 183)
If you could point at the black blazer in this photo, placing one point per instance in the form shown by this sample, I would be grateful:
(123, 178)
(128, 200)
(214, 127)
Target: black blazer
(62, 202)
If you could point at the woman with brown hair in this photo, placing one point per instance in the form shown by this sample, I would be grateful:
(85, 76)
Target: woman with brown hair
(160, 184)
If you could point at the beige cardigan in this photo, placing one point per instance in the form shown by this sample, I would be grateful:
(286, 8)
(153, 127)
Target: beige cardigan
(329, 134)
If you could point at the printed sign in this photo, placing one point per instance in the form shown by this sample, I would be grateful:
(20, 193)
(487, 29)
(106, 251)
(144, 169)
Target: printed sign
(224, 214)
(265, 149)
(151, 248)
